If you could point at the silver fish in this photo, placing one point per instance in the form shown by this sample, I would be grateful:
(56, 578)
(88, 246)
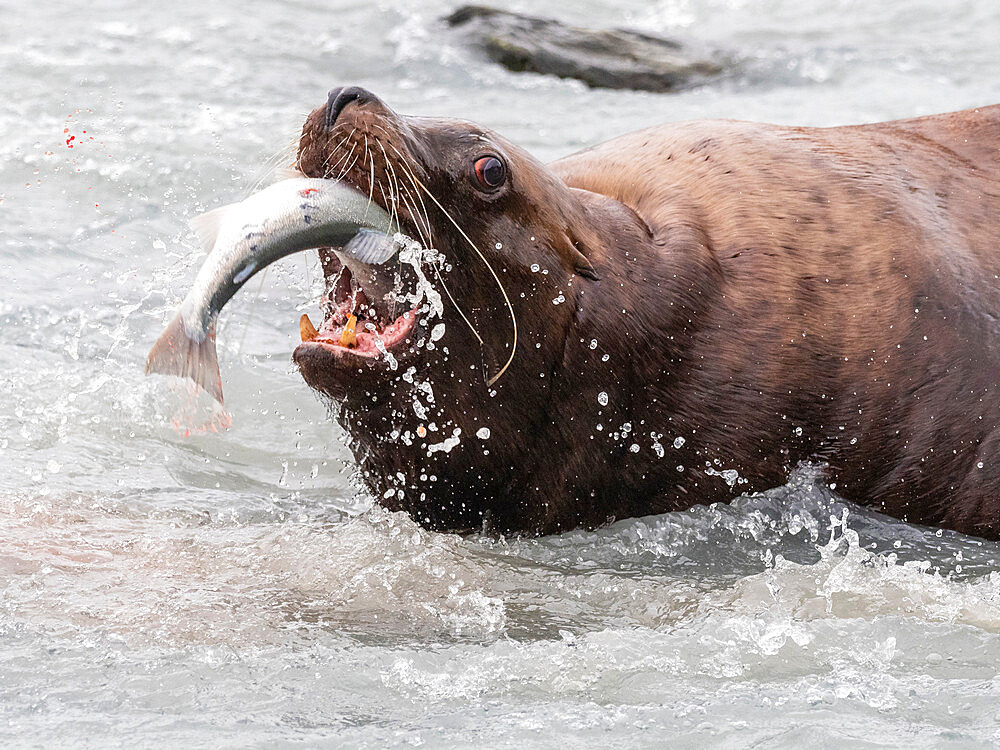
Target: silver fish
(287, 217)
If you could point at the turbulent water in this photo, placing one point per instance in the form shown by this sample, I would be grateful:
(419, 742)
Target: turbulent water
(231, 588)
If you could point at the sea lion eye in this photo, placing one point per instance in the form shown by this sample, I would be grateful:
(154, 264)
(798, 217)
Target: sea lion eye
(490, 172)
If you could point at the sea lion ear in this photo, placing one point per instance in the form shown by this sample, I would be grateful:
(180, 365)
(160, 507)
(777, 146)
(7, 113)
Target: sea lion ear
(581, 246)
(588, 227)
(584, 268)
(573, 248)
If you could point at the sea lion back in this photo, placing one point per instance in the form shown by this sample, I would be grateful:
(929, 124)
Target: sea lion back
(972, 135)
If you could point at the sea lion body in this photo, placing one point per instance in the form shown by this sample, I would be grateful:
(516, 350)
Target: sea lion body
(723, 301)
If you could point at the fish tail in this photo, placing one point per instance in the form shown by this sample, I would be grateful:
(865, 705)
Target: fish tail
(176, 353)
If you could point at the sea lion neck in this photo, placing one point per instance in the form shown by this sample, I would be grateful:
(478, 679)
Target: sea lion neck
(661, 279)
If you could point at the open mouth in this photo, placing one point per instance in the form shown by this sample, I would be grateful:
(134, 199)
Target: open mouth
(362, 324)
(354, 325)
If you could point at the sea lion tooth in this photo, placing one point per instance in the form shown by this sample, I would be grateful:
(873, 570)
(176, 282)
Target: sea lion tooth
(306, 328)
(349, 337)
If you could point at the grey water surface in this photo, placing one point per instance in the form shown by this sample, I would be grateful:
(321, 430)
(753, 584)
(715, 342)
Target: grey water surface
(163, 587)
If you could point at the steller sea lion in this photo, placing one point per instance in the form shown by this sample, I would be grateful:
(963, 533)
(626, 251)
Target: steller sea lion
(676, 316)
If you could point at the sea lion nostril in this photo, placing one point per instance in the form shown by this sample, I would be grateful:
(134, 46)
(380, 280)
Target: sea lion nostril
(339, 98)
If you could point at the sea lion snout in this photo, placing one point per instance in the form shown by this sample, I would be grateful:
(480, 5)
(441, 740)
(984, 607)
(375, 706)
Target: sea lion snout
(340, 97)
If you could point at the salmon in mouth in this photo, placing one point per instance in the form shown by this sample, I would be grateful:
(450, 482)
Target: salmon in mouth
(295, 214)
(375, 309)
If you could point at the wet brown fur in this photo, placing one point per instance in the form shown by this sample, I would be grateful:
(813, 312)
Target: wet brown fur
(769, 294)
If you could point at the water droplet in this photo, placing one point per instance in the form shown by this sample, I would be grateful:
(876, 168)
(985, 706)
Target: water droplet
(483, 433)
(593, 343)
(679, 442)
(602, 398)
(634, 447)
(535, 268)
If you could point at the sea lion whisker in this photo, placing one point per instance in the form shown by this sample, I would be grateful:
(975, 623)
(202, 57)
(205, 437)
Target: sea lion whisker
(371, 178)
(391, 204)
(283, 153)
(267, 168)
(440, 278)
(413, 180)
(394, 180)
(420, 219)
(427, 241)
(335, 149)
(394, 187)
(343, 159)
(388, 174)
(349, 167)
(407, 198)
(408, 201)
(422, 214)
(503, 291)
(326, 167)
(388, 162)
(393, 221)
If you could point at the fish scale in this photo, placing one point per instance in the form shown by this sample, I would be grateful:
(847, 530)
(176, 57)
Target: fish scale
(244, 238)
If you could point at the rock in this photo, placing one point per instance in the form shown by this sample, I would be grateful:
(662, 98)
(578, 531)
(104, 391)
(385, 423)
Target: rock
(615, 59)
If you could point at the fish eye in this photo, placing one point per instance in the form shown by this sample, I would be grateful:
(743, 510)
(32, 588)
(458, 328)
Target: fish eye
(490, 172)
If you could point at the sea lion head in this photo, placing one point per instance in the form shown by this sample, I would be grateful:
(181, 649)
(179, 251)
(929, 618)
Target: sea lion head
(455, 377)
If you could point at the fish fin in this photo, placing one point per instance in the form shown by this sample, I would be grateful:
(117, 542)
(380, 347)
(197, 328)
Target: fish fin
(207, 225)
(371, 247)
(176, 353)
(288, 173)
